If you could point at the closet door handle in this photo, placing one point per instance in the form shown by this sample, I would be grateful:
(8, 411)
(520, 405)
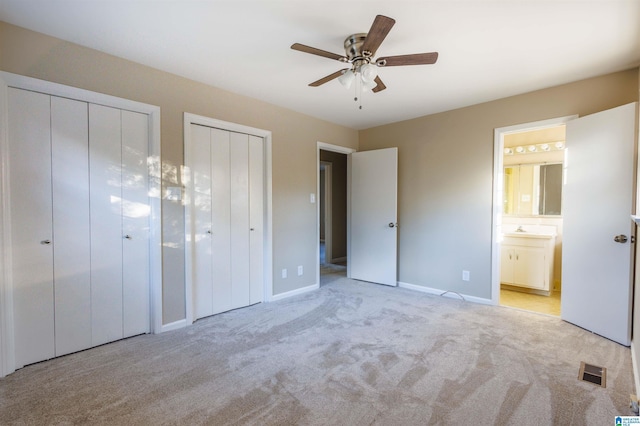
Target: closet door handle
(128, 237)
(45, 242)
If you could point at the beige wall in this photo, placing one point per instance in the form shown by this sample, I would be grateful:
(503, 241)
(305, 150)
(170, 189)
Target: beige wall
(446, 176)
(294, 145)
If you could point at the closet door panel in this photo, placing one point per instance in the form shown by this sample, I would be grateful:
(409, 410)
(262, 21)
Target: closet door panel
(221, 217)
(256, 217)
(239, 163)
(106, 223)
(201, 217)
(71, 228)
(31, 225)
(135, 223)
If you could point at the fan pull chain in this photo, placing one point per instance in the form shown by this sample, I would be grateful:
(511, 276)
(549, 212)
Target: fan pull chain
(358, 89)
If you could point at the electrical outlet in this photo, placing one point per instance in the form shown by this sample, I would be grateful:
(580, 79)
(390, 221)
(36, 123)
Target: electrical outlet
(465, 276)
(284, 273)
(300, 270)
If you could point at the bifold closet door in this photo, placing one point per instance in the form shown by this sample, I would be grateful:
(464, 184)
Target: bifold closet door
(239, 186)
(227, 206)
(80, 223)
(71, 228)
(136, 212)
(31, 225)
(201, 221)
(221, 217)
(118, 145)
(105, 160)
(256, 219)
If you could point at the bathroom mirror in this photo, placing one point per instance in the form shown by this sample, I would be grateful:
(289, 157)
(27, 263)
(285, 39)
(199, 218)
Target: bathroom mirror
(533, 190)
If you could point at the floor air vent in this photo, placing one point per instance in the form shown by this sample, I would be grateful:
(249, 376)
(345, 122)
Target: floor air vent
(593, 374)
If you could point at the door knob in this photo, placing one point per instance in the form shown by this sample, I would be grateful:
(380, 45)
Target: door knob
(620, 238)
(128, 237)
(393, 225)
(45, 242)
(209, 231)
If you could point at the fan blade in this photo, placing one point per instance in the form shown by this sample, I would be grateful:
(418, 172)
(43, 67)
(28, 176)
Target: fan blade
(328, 78)
(415, 59)
(376, 35)
(380, 87)
(319, 52)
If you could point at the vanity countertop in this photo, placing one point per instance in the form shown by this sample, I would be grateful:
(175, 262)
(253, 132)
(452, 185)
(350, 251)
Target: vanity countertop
(528, 235)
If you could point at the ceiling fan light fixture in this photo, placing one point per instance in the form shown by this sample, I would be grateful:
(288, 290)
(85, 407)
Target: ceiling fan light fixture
(346, 79)
(369, 73)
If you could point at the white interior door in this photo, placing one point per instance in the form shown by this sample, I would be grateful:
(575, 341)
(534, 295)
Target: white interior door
(240, 277)
(71, 224)
(31, 225)
(256, 219)
(105, 174)
(220, 217)
(598, 199)
(201, 231)
(374, 228)
(136, 211)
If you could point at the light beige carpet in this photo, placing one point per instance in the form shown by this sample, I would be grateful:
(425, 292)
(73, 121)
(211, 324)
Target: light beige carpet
(350, 353)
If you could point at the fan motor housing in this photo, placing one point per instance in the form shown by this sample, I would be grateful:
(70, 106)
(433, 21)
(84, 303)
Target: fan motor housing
(353, 44)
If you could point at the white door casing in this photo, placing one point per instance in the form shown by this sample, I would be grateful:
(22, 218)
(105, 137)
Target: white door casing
(498, 188)
(342, 150)
(598, 201)
(373, 216)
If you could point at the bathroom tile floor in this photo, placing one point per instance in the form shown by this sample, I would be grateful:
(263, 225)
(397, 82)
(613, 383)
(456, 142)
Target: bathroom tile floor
(549, 305)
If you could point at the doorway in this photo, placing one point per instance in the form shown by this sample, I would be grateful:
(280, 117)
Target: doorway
(332, 212)
(527, 250)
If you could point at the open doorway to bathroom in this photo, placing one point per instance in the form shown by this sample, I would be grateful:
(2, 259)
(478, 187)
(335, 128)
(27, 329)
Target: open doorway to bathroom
(332, 197)
(531, 220)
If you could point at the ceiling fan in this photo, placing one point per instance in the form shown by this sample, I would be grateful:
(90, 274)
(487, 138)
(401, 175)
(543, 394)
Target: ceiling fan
(360, 49)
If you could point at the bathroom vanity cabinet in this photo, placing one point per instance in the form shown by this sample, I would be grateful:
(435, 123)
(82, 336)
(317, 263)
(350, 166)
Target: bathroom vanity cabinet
(527, 261)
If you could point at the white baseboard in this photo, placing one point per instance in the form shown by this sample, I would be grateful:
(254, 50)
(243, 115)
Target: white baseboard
(634, 364)
(173, 325)
(445, 293)
(294, 292)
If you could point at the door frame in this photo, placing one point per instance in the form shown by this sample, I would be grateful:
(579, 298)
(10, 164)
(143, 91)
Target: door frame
(7, 347)
(341, 150)
(498, 179)
(267, 241)
(328, 212)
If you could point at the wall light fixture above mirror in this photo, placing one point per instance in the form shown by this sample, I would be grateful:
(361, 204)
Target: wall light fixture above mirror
(534, 148)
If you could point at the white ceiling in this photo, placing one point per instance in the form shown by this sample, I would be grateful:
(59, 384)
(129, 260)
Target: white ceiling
(488, 49)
